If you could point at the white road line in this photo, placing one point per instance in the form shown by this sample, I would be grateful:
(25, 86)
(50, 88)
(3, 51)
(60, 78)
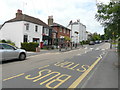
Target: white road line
(100, 56)
(78, 54)
(85, 47)
(97, 49)
(91, 48)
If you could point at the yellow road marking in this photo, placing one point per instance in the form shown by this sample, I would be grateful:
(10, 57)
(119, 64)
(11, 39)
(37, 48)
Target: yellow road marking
(43, 67)
(13, 77)
(78, 81)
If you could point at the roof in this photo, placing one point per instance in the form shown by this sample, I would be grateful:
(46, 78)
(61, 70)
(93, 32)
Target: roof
(0, 26)
(28, 18)
(77, 24)
(58, 25)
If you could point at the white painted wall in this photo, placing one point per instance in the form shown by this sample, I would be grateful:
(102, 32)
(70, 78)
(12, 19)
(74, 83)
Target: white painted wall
(86, 36)
(75, 38)
(82, 32)
(79, 27)
(15, 31)
(31, 32)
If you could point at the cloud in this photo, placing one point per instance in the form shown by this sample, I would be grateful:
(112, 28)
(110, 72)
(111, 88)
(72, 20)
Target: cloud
(103, 1)
(62, 10)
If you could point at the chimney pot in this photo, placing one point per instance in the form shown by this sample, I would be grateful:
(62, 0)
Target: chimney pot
(50, 17)
(19, 13)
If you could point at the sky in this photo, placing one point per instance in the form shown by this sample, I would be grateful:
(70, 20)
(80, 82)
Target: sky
(63, 11)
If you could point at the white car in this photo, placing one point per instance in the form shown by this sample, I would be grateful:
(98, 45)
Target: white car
(8, 52)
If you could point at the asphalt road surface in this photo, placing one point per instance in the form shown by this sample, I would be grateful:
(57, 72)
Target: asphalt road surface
(73, 69)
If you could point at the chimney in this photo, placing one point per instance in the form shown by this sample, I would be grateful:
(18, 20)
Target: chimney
(19, 13)
(50, 20)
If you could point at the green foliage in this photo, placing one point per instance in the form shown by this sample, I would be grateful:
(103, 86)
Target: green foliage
(8, 41)
(102, 37)
(44, 47)
(95, 37)
(84, 42)
(3, 41)
(31, 46)
(48, 47)
(109, 17)
(67, 38)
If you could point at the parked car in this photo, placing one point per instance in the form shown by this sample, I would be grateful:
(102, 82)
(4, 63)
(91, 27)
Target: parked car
(97, 42)
(106, 40)
(91, 43)
(100, 41)
(9, 52)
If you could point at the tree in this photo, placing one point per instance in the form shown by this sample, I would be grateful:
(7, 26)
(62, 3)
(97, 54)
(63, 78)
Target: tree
(95, 37)
(67, 38)
(109, 17)
(102, 37)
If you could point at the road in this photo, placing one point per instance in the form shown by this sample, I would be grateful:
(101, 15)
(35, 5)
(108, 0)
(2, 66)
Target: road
(80, 68)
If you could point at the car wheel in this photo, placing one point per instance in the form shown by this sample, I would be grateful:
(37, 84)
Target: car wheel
(22, 56)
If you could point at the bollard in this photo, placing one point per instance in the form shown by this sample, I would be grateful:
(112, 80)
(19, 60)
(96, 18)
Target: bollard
(37, 49)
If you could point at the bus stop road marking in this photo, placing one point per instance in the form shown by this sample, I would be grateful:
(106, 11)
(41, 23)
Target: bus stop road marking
(78, 81)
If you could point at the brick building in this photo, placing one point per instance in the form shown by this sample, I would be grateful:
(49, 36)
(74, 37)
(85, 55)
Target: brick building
(62, 31)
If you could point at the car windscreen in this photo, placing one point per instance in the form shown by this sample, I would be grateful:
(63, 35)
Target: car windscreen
(5, 46)
(1, 46)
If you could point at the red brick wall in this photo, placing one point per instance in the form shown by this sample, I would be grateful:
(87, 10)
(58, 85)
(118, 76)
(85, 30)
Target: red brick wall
(61, 33)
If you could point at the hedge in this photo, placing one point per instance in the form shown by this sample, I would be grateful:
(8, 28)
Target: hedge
(8, 42)
(31, 46)
(84, 42)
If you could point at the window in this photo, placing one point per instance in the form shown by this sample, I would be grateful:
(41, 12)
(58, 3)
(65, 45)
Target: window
(54, 35)
(64, 30)
(27, 26)
(36, 40)
(36, 28)
(25, 38)
(7, 47)
(47, 31)
(43, 30)
(60, 29)
(67, 31)
(1, 46)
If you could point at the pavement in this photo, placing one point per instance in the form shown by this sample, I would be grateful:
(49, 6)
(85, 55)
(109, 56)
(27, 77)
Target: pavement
(105, 74)
(51, 51)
